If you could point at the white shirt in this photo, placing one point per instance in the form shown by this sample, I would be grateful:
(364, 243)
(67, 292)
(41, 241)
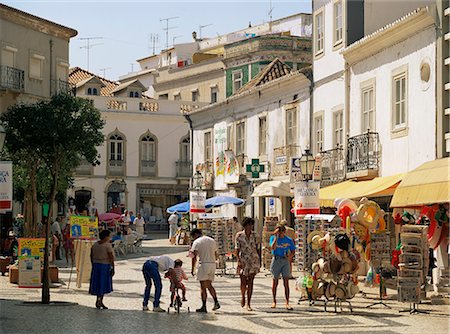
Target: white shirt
(164, 262)
(139, 221)
(56, 229)
(173, 219)
(206, 248)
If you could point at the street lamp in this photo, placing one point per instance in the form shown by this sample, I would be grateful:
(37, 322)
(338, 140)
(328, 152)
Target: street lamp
(2, 137)
(307, 163)
(198, 180)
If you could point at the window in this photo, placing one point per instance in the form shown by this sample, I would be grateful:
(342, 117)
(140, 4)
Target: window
(148, 148)
(131, 94)
(208, 146)
(337, 21)
(214, 94)
(237, 81)
(338, 128)
(116, 147)
(318, 133)
(177, 97)
(230, 137)
(185, 148)
(291, 126)
(195, 96)
(399, 100)
(9, 56)
(368, 109)
(318, 33)
(94, 91)
(262, 135)
(136, 94)
(89, 91)
(240, 138)
(163, 97)
(36, 66)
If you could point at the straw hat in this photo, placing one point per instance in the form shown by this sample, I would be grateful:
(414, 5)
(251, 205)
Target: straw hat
(313, 234)
(315, 267)
(320, 291)
(321, 263)
(335, 265)
(347, 265)
(326, 267)
(352, 290)
(341, 291)
(330, 291)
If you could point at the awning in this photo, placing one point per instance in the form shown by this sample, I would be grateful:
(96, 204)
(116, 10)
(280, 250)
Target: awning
(427, 184)
(379, 186)
(272, 189)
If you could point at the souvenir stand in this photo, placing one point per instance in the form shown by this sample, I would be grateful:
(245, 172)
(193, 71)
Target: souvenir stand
(270, 225)
(223, 231)
(413, 266)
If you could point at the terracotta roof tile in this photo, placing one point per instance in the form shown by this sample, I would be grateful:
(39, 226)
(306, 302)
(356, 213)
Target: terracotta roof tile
(77, 75)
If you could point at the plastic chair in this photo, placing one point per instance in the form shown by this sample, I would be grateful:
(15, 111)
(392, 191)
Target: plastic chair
(118, 247)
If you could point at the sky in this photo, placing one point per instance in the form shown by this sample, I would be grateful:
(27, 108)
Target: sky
(126, 27)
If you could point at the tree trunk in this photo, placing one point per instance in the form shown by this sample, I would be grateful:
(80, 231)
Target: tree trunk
(34, 201)
(29, 230)
(46, 276)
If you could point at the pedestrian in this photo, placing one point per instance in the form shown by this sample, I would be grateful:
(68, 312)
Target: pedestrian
(248, 256)
(68, 244)
(173, 226)
(151, 269)
(102, 259)
(56, 231)
(180, 275)
(139, 222)
(282, 252)
(290, 232)
(205, 248)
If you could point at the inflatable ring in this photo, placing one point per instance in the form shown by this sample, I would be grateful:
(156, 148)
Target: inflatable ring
(381, 224)
(368, 214)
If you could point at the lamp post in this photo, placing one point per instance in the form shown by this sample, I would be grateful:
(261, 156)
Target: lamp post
(197, 196)
(307, 164)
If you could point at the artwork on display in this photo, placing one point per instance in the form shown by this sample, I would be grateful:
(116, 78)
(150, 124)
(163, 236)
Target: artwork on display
(32, 247)
(29, 272)
(84, 227)
(197, 200)
(232, 168)
(6, 186)
(220, 159)
(306, 196)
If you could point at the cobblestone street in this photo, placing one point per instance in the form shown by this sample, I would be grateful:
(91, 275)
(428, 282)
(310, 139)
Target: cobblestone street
(126, 316)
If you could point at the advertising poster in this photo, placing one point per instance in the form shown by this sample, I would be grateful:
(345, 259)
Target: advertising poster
(29, 272)
(306, 196)
(197, 201)
(220, 159)
(32, 247)
(83, 227)
(232, 168)
(6, 186)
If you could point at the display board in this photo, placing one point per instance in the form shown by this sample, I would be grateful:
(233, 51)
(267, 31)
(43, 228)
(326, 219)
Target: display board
(83, 227)
(29, 272)
(380, 249)
(32, 247)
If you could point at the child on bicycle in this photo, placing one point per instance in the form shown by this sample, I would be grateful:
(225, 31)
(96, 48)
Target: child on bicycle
(176, 281)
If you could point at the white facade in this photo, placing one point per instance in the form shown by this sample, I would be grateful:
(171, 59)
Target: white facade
(405, 148)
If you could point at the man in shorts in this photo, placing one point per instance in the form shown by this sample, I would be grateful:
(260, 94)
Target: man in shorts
(206, 249)
(283, 249)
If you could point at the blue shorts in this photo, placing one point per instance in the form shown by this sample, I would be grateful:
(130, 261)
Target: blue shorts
(280, 266)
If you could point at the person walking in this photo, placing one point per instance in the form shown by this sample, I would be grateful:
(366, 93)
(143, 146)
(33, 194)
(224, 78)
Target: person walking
(282, 252)
(290, 232)
(248, 254)
(139, 222)
(205, 248)
(102, 259)
(151, 269)
(56, 231)
(173, 226)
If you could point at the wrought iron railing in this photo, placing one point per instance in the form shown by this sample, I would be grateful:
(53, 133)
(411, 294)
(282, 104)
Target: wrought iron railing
(85, 168)
(148, 168)
(363, 152)
(116, 168)
(184, 168)
(11, 78)
(333, 166)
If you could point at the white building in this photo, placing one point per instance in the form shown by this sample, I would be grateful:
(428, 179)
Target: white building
(261, 121)
(147, 147)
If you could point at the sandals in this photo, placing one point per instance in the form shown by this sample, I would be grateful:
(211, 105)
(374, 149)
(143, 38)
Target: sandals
(289, 307)
(274, 305)
(249, 308)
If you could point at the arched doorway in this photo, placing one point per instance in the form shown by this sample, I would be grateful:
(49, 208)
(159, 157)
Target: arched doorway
(116, 195)
(82, 198)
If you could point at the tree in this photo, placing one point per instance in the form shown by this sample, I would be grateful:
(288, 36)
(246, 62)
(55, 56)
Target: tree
(52, 136)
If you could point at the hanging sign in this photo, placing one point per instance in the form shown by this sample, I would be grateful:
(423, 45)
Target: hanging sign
(6, 186)
(317, 173)
(220, 159)
(29, 272)
(272, 205)
(232, 168)
(296, 171)
(306, 196)
(197, 200)
(83, 227)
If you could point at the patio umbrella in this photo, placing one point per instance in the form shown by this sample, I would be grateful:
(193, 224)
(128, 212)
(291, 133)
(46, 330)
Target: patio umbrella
(179, 208)
(108, 216)
(217, 201)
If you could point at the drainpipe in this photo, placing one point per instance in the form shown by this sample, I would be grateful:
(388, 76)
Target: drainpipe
(311, 111)
(51, 66)
(191, 131)
(346, 110)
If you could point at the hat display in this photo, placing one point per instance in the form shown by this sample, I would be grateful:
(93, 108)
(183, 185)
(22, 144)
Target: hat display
(342, 241)
(316, 235)
(335, 264)
(347, 265)
(340, 292)
(321, 263)
(352, 290)
(330, 291)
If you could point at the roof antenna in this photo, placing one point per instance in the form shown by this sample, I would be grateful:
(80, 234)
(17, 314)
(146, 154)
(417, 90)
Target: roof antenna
(88, 46)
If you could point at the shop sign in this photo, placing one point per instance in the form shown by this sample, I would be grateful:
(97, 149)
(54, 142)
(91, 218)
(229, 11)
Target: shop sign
(280, 160)
(83, 227)
(6, 186)
(29, 272)
(296, 171)
(317, 173)
(220, 159)
(197, 200)
(306, 196)
(255, 168)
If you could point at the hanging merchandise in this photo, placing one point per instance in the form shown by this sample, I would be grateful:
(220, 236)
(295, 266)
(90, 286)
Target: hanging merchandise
(270, 224)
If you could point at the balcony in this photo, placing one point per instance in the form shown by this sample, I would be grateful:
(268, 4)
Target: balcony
(85, 168)
(333, 167)
(11, 78)
(61, 86)
(184, 169)
(282, 158)
(363, 156)
(148, 168)
(116, 168)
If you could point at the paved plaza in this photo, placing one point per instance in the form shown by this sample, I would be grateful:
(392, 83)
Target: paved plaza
(126, 316)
